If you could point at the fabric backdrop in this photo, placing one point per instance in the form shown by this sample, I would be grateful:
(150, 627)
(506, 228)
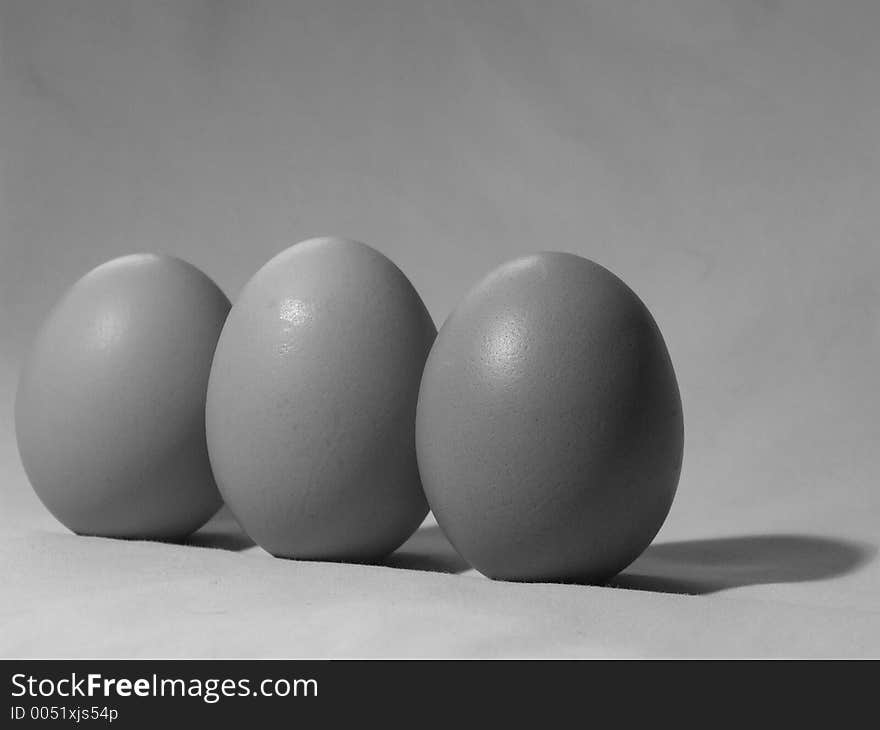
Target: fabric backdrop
(722, 157)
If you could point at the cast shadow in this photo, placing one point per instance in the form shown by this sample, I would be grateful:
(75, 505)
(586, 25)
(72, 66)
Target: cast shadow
(428, 549)
(221, 532)
(705, 566)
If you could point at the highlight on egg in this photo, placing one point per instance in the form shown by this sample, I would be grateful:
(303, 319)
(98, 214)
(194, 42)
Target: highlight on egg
(312, 400)
(110, 406)
(549, 428)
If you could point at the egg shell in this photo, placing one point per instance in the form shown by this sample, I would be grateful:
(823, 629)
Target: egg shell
(549, 426)
(312, 401)
(110, 407)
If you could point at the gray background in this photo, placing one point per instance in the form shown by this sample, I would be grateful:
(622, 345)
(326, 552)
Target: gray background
(723, 158)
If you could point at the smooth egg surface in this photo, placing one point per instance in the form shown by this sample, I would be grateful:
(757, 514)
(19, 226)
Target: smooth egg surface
(549, 427)
(312, 402)
(110, 408)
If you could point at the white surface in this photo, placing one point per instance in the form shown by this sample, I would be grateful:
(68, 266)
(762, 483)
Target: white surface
(221, 596)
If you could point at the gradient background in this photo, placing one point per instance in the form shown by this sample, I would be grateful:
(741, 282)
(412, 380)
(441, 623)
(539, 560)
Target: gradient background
(723, 158)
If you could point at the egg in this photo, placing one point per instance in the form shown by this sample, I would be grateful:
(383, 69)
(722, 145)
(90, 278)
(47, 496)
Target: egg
(312, 402)
(110, 407)
(549, 428)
